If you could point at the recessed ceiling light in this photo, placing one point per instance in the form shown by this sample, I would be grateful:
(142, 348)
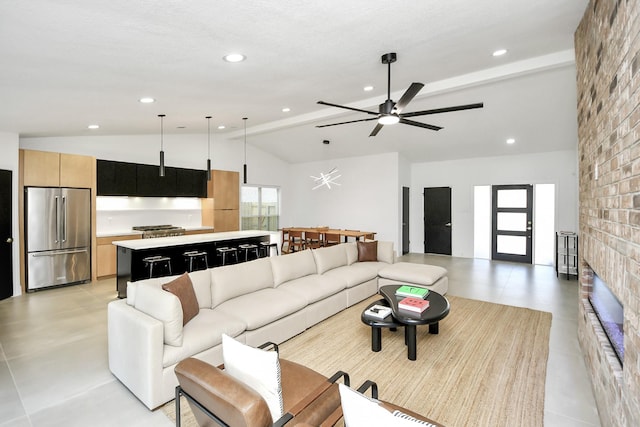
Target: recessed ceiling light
(286, 109)
(511, 141)
(234, 57)
(368, 88)
(499, 52)
(147, 100)
(93, 126)
(221, 127)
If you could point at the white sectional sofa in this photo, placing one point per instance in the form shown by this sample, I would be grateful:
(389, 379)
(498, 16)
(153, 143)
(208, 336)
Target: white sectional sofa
(269, 299)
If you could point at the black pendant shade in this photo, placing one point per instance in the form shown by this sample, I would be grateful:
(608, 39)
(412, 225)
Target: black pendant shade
(245, 150)
(208, 148)
(162, 116)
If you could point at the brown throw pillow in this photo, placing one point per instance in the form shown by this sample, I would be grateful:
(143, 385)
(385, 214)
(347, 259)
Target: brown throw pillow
(368, 251)
(183, 289)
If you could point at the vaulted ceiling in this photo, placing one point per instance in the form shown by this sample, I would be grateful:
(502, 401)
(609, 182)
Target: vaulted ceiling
(71, 63)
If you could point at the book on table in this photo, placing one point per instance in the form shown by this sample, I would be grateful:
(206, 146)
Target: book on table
(378, 311)
(417, 305)
(412, 291)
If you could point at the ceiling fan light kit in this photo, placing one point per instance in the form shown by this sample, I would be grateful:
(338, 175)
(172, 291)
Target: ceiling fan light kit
(390, 112)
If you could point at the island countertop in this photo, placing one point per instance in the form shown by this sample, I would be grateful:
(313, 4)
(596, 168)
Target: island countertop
(162, 242)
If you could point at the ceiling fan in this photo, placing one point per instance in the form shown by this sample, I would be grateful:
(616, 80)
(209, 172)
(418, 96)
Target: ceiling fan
(391, 112)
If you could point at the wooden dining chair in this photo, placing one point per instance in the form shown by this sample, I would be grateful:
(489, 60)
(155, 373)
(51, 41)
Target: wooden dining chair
(296, 241)
(331, 239)
(312, 239)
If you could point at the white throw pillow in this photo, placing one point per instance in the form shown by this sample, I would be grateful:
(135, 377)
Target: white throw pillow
(258, 369)
(360, 411)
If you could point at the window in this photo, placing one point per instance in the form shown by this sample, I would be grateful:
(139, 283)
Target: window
(260, 208)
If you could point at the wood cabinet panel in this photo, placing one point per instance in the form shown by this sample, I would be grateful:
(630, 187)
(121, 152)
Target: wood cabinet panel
(41, 168)
(76, 171)
(48, 169)
(107, 254)
(224, 187)
(226, 220)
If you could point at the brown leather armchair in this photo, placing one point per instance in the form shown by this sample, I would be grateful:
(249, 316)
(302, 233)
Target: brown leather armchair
(216, 398)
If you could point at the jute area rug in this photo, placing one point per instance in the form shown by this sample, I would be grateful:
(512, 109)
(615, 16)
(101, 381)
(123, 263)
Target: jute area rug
(486, 367)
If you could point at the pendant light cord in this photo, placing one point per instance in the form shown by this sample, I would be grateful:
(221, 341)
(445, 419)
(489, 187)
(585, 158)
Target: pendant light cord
(245, 139)
(208, 136)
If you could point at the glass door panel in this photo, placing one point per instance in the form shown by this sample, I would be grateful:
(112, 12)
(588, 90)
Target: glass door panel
(512, 223)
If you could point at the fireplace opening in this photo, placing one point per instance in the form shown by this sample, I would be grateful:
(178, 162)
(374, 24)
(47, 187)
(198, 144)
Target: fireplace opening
(610, 313)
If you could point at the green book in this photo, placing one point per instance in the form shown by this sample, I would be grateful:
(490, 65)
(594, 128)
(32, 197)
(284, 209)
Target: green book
(412, 291)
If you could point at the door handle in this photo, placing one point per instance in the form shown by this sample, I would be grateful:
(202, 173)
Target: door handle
(448, 224)
(9, 240)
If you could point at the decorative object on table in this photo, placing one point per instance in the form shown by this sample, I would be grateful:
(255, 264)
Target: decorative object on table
(412, 291)
(326, 179)
(378, 311)
(244, 168)
(416, 305)
(208, 148)
(162, 116)
(390, 112)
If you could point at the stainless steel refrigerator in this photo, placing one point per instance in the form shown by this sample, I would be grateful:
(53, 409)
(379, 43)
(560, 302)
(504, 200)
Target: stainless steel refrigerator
(58, 236)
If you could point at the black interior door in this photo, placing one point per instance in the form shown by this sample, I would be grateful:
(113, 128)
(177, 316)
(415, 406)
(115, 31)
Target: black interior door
(437, 220)
(405, 220)
(6, 239)
(512, 224)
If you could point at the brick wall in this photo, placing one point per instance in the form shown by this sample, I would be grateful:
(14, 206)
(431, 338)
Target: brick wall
(607, 45)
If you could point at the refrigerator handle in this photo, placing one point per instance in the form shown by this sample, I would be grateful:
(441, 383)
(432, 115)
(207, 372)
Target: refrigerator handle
(64, 218)
(57, 222)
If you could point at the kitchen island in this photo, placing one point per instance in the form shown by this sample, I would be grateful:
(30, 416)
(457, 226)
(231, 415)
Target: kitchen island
(130, 253)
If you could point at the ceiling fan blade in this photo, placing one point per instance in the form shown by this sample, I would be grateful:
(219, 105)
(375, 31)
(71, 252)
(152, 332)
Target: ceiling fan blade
(420, 125)
(346, 108)
(444, 110)
(376, 129)
(350, 121)
(408, 96)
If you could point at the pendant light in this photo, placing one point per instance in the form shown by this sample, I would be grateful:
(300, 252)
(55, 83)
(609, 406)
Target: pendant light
(162, 116)
(245, 149)
(208, 148)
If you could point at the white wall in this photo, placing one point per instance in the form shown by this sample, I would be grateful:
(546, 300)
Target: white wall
(9, 161)
(366, 199)
(558, 167)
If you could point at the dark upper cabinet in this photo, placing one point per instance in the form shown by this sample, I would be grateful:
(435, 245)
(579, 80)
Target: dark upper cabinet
(131, 179)
(191, 182)
(151, 184)
(116, 178)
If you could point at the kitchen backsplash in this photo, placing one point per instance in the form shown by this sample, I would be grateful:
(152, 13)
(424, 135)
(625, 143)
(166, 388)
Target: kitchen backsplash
(116, 214)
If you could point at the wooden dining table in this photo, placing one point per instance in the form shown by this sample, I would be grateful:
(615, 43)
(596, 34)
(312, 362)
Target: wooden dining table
(356, 234)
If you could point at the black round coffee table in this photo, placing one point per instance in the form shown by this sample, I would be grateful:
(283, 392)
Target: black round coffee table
(438, 310)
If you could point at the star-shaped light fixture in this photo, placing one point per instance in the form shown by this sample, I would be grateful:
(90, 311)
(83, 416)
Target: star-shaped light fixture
(326, 179)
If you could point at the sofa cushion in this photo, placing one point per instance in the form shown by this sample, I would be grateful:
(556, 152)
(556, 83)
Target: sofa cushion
(386, 252)
(258, 369)
(292, 266)
(183, 289)
(163, 306)
(355, 274)
(407, 272)
(202, 333)
(133, 286)
(231, 281)
(352, 252)
(330, 257)
(201, 281)
(314, 287)
(368, 251)
(262, 307)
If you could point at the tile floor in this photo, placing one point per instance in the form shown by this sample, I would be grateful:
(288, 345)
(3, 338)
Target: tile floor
(53, 348)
